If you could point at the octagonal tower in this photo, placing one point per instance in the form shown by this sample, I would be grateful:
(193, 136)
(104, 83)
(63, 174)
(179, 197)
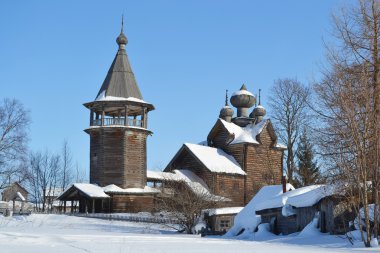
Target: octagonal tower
(119, 127)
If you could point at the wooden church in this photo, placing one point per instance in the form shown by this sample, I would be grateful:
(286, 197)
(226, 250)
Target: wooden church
(240, 156)
(241, 153)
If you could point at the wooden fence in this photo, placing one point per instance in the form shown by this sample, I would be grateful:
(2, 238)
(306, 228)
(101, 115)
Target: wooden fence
(126, 217)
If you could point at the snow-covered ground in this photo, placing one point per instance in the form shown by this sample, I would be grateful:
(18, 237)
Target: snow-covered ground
(59, 233)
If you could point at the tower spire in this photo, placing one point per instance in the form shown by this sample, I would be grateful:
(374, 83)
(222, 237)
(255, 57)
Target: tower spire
(226, 98)
(122, 23)
(122, 39)
(259, 96)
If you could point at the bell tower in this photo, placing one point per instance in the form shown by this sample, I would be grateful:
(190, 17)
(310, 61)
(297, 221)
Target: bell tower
(119, 126)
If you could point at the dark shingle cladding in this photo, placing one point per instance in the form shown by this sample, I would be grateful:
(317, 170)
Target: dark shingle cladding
(120, 80)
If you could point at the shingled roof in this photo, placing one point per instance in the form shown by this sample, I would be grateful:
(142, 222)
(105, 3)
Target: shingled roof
(120, 80)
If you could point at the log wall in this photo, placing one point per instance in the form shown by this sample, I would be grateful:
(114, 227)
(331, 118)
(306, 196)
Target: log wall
(118, 156)
(263, 165)
(122, 203)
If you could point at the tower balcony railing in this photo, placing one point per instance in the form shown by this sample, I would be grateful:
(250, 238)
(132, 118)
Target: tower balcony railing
(118, 122)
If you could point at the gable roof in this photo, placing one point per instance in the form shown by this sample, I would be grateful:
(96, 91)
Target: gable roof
(306, 196)
(89, 190)
(195, 183)
(246, 218)
(312, 197)
(116, 189)
(120, 81)
(244, 134)
(17, 184)
(214, 159)
(248, 134)
(281, 199)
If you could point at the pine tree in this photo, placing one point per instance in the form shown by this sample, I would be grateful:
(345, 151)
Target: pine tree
(307, 172)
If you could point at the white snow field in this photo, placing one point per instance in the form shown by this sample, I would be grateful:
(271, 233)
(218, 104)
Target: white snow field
(39, 233)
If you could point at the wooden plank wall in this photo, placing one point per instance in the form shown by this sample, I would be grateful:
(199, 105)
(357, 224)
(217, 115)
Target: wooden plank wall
(305, 215)
(230, 186)
(187, 161)
(118, 156)
(263, 165)
(226, 185)
(106, 151)
(220, 138)
(135, 159)
(122, 203)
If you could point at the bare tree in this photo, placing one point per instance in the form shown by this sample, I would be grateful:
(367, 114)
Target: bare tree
(289, 102)
(346, 133)
(183, 203)
(14, 123)
(44, 178)
(349, 99)
(80, 174)
(67, 165)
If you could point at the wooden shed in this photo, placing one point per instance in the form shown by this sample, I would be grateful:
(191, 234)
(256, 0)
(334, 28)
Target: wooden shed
(15, 192)
(91, 198)
(302, 205)
(221, 219)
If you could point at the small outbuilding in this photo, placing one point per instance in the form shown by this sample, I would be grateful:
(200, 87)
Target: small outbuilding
(292, 211)
(111, 198)
(221, 219)
(15, 192)
(91, 198)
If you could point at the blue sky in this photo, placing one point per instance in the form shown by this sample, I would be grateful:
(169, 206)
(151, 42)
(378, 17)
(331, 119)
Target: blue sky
(54, 56)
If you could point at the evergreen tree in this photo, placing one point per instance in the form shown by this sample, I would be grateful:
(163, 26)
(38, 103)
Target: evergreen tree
(307, 172)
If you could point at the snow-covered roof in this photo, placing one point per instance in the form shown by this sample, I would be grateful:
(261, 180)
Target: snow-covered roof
(21, 196)
(160, 175)
(195, 183)
(116, 189)
(91, 190)
(245, 134)
(248, 133)
(102, 97)
(247, 218)
(312, 196)
(281, 199)
(224, 210)
(301, 197)
(215, 159)
(279, 145)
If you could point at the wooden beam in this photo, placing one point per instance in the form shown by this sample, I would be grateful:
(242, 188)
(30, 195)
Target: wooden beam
(91, 117)
(125, 115)
(145, 118)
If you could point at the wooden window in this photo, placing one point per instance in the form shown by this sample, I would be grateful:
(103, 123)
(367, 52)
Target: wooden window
(224, 224)
(236, 186)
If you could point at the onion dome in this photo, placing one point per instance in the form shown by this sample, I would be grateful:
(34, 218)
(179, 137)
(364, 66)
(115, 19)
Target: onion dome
(226, 112)
(242, 98)
(122, 39)
(259, 111)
